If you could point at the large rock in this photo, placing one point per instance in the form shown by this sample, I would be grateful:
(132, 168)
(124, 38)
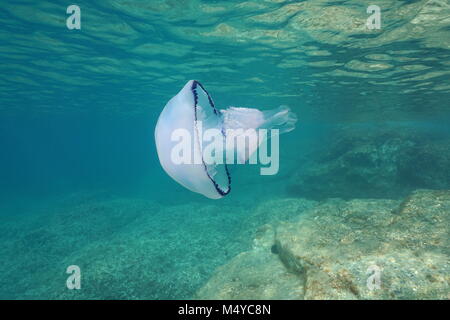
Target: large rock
(255, 274)
(333, 250)
(360, 162)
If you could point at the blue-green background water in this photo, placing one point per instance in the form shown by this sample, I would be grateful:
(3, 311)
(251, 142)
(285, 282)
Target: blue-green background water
(80, 181)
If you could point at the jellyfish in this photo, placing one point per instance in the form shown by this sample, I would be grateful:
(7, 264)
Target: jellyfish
(190, 124)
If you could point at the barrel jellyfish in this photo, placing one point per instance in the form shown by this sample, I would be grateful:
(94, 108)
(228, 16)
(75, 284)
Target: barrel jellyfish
(191, 119)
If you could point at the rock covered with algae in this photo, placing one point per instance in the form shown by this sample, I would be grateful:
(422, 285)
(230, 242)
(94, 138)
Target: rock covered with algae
(361, 162)
(330, 250)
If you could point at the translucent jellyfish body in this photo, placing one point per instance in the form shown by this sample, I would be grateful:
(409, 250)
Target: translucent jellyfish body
(192, 138)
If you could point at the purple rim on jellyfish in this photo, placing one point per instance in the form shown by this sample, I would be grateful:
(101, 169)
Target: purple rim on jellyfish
(196, 84)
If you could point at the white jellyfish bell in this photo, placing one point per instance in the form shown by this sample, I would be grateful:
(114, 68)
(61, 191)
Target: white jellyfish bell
(188, 120)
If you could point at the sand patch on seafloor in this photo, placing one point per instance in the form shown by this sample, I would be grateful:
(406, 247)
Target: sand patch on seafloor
(126, 248)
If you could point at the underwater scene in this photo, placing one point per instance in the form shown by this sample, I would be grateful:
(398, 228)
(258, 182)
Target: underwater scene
(344, 194)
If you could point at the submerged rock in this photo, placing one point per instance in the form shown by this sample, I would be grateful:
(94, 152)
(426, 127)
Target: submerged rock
(364, 162)
(359, 249)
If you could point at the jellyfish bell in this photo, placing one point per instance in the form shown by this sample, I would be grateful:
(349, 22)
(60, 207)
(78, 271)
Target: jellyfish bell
(190, 124)
(183, 113)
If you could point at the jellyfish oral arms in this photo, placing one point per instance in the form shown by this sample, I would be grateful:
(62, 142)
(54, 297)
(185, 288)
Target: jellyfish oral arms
(193, 138)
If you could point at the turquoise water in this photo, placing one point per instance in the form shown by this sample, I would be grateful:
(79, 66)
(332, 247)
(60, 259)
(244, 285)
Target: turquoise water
(80, 180)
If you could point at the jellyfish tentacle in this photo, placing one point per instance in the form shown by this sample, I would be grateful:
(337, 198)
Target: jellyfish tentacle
(281, 118)
(242, 123)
